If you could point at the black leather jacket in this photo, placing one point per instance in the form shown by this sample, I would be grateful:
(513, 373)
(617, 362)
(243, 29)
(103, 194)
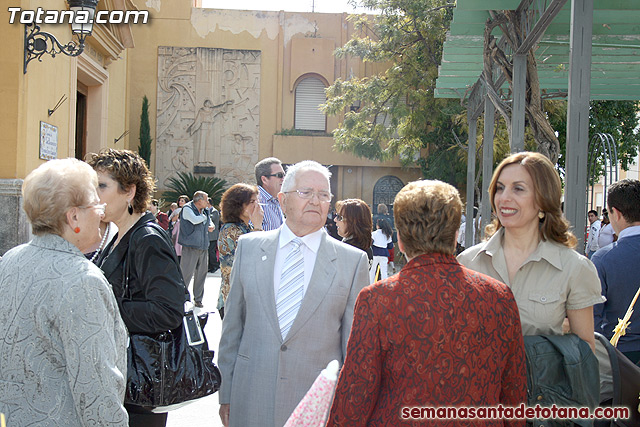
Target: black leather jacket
(155, 299)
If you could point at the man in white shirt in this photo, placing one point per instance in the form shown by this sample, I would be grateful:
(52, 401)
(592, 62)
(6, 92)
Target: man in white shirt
(290, 307)
(594, 229)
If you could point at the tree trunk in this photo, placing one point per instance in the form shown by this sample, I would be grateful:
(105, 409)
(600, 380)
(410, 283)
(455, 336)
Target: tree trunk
(543, 133)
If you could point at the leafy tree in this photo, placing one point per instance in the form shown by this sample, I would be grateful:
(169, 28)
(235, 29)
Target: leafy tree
(618, 118)
(395, 113)
(144, 149)
(186, 183)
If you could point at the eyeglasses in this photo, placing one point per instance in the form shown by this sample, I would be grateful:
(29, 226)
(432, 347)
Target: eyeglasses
(100, 207)
(323, 196)
(339, 217)
(277, 174)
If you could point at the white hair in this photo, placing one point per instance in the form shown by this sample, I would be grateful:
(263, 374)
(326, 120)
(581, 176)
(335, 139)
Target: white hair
(306, 165)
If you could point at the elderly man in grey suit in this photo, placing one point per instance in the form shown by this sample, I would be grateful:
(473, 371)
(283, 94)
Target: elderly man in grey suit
(290, 307)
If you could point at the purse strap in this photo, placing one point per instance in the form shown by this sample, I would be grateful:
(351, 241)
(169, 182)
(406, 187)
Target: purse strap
(127, 262)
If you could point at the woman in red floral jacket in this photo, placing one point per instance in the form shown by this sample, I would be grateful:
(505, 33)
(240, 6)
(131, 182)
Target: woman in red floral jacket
(435, 335)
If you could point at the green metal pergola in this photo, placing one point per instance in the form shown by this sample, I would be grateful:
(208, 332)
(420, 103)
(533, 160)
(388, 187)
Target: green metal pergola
(584, 49)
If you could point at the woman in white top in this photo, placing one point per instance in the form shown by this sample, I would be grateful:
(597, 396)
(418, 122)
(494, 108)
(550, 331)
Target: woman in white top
(606, 235)
(381, 244)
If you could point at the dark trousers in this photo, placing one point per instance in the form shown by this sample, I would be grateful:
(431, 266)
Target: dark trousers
(141, 417)
(214, 265)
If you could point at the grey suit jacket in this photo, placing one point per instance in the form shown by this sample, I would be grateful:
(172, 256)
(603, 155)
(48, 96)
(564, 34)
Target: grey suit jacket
(265, 377)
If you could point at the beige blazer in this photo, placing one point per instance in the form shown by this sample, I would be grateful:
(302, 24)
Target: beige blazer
(265, 377)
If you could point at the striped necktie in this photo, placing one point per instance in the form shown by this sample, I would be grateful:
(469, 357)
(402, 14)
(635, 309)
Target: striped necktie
(291, 288)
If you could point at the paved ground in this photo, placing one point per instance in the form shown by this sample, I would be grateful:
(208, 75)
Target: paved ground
(205, 411)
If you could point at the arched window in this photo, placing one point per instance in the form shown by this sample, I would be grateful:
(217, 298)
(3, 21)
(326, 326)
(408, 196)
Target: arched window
(308, 97)
(385, 190)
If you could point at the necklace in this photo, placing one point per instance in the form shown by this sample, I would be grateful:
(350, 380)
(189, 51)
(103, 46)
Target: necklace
(102, 243)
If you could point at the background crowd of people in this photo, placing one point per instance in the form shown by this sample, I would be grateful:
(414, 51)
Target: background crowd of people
(443, 331)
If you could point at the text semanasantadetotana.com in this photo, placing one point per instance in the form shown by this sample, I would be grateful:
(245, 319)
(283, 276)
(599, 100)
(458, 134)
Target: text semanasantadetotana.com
(512, 412)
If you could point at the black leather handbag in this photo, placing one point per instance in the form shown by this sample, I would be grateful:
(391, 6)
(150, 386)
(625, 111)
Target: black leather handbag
(168, 370)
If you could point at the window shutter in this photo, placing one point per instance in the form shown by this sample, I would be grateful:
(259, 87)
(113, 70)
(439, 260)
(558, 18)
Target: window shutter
(309, 95)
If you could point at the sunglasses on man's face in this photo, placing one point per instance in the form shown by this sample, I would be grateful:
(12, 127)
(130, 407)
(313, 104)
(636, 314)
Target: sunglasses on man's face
(277, 174)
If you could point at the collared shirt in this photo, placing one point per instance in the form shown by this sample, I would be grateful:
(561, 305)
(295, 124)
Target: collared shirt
(629, 231)
(273, 217)
(310, 246)
(551, 281)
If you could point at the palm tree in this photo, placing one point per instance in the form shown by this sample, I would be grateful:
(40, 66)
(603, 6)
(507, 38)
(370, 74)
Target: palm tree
(186, 183)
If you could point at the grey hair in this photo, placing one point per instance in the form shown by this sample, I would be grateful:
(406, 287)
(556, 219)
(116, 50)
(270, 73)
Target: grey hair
(263, 168)
(199, 195)
(306, 165)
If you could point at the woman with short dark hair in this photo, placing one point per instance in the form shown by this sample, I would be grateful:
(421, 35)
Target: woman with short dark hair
(152, 300)
(241, 214)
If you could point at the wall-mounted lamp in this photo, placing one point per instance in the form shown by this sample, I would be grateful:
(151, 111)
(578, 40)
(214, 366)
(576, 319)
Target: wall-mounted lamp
(355, 106)
(37, 43)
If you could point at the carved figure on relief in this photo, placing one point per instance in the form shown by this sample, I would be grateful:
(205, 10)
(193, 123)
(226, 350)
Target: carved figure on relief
(179, 160)
(243, 154)
(202, 131)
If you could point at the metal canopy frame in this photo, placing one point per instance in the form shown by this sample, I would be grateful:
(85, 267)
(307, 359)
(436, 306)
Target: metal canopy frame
(582, 53)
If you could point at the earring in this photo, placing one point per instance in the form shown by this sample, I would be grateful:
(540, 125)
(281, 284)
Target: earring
(76, 230)
(541, 214)
(130, 209)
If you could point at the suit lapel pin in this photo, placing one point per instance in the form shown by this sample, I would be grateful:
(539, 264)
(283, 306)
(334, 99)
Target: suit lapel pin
(264, 257)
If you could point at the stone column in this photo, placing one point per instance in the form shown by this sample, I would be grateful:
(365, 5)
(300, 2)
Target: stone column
(14, 227)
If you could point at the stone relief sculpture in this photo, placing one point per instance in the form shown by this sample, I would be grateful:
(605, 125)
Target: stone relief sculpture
(202, 131)
(208, 112)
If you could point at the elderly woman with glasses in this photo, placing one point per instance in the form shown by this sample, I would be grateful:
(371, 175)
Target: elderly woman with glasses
(63, 350)
(152, 300)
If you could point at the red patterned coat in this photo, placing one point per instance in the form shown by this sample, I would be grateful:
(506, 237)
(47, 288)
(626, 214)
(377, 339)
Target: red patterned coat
(436, 334)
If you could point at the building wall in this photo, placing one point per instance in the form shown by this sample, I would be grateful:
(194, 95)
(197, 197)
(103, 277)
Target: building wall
(292, 46)
(26, 99)
(116, 75)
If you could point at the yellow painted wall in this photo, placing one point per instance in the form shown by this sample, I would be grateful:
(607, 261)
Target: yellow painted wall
(359, 182)
(11, 85)
(26, 98)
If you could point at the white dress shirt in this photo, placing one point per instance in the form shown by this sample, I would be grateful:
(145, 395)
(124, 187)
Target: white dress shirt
(309, 247)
